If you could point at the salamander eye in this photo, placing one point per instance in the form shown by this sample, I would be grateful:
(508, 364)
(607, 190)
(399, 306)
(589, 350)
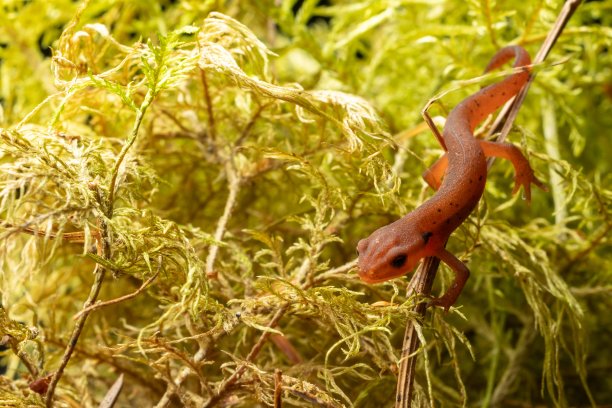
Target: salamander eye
(399, 261)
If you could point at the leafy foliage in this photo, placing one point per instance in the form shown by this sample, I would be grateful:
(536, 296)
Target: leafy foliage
(199, 173)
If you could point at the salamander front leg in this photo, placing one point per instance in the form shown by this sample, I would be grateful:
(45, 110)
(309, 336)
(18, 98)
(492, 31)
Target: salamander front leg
(523, 174)
(462, 273)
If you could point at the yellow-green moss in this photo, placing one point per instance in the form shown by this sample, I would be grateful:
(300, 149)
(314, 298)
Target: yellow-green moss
(233, 153)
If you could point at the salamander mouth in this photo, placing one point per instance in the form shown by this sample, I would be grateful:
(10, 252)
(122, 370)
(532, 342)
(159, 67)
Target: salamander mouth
(369, 278)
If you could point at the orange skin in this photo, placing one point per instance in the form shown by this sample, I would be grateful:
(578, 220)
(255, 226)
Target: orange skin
(459, 178)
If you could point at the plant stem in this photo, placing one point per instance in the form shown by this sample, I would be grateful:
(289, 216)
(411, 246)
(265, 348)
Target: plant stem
(234, 186)
(99, 273)
(126, 147)
(211, 118)
(423, 282)
(120, 299)
(103, 251)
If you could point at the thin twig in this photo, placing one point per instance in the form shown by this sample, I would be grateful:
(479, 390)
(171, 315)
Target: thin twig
(120, 299)
(182, 375)
(99, 273)
(284, 345)
(152, 386)
(234, 186)
(592, 291)
(211, 118)
(126, 147)
(422, 283)
(429, 267)
(77, 237)
(335, 272)
(278, 388)
(249, 126)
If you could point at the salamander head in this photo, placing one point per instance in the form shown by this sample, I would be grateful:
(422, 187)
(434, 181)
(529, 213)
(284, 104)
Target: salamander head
(391, 251)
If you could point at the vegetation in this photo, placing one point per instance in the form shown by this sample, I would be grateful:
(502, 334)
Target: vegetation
(183, 184)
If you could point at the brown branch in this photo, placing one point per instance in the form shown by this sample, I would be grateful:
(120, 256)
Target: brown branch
(77, 237)
(249, 126)
(120, 299)
(278, 389)
(211, 118)
(284, 345)
(173, 386)
(103, 247)
(152, 386)
(76, 333)
(421, 283)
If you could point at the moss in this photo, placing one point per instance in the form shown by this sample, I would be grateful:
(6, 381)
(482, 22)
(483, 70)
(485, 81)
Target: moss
(183, 184)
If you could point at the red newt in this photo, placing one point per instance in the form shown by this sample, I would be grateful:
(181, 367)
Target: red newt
(459, 178)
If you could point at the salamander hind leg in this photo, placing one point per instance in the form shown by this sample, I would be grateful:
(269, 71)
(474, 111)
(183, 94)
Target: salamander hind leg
(462, 273)
(523, 174)
(433, 175)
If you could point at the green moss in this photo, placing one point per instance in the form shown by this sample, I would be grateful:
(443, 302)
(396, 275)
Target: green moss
(216, 164)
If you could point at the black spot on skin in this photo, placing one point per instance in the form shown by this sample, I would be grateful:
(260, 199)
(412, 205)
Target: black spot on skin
(471, 181)
(399, 261)
(479, 178)
(439, 210)
(426, 236)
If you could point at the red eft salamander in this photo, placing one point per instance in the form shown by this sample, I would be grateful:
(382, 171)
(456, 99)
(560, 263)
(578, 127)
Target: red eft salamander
(459, 178)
